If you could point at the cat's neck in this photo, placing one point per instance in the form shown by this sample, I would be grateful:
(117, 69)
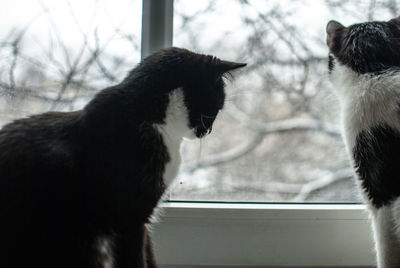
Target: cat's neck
(175, 125)
(127, 107)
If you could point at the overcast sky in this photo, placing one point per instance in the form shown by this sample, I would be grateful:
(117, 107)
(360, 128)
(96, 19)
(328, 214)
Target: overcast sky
(72, 19)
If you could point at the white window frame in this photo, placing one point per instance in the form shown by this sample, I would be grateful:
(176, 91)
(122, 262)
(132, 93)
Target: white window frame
(260, 235)
(234, 234)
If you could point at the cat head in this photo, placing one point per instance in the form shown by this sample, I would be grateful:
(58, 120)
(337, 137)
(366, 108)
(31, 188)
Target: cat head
(203, 89)
(199, 77)
(370, 47)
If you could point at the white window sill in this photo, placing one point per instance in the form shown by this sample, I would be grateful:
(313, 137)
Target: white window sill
(251, 235)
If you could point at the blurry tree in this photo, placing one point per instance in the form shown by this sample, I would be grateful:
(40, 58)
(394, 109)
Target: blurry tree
(278, 138)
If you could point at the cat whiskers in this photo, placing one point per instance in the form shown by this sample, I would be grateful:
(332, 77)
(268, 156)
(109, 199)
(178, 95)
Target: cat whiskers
(239, 94)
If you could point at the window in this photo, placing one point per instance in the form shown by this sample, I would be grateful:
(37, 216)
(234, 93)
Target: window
(278, 138)
(281, 118)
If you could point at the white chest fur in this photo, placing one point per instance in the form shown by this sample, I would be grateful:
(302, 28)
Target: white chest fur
(173, 131)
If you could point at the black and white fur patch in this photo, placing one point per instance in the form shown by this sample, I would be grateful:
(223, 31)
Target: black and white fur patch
(364, 67)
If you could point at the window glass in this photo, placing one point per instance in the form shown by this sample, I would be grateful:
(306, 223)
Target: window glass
(278, 138)
(56, 54)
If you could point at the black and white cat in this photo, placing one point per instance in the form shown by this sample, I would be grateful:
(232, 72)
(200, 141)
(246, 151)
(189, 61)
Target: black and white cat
(77, 189)
(364, 64)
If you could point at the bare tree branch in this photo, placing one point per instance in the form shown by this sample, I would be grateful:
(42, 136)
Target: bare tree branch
(278, 127)
(298, 124)
(228, 156)
(393, 7)
(322, 182)
(286, 125)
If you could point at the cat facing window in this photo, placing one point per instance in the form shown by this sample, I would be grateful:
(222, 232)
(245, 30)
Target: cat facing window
(78, 189)
(364, 66)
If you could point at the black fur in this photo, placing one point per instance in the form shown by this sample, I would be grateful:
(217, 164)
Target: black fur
(377, 162)
(370, 47)
(70, 179)
(331, 63)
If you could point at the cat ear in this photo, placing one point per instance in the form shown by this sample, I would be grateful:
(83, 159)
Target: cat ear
(332, 29)
(226, 66)
(333, 26)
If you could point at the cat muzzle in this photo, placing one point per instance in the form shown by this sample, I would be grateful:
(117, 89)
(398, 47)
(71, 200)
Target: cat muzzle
(201, 131)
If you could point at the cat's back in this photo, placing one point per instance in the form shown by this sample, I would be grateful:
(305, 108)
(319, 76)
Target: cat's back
(39, 145)
(37, 160)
